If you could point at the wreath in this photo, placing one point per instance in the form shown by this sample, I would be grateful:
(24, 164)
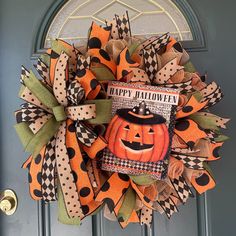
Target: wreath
(68, 125)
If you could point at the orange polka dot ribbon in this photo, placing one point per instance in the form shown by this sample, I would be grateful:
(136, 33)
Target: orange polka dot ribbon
(64, 120)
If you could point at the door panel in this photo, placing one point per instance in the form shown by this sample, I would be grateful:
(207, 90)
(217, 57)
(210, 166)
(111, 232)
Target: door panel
(209, 215)
(187, 215)
(72, 230)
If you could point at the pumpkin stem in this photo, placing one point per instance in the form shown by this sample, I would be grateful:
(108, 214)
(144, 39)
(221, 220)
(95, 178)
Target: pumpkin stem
(142, 108)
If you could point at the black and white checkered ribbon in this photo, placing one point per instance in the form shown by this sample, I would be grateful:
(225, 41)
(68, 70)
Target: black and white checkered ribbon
(191, 162)
(83, 62)
(184, 87)
(150, 62)
(43, 71)
(158, 42)
(182, 189)
(29, 114)
(48, 172)
(123, 26)
(84, 134)
(75, 92)
(211, 93)
(24, 72)
(168, 206)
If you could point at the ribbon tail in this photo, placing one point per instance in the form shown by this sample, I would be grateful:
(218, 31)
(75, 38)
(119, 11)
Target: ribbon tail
(182, 189)
(63, 216)
(168, 206)
(146, 201)
(80, 173)
(66, 178)
(203, 183)
(146, 216)
(35, 175)
(48, 172)
(113, 189)
(127, 206)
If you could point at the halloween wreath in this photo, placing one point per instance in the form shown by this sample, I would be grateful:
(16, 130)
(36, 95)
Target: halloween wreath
(122, 124)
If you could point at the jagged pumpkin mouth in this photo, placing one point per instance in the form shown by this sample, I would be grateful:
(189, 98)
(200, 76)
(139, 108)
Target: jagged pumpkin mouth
(136, 146)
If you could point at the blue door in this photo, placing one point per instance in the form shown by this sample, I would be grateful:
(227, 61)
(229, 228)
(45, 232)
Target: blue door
(208, 32)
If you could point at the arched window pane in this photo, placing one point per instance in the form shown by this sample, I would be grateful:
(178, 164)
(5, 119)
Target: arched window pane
(147, 17)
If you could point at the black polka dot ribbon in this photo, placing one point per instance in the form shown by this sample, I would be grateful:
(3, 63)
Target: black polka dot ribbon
(59, 83)
(116, 187)
(166, 72)
(146, 216)
(65, 175)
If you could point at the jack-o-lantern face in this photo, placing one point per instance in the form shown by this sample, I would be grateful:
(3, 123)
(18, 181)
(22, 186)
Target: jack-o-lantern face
(141, 137)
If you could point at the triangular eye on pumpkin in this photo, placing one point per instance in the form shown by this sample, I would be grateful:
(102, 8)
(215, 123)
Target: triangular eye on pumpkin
(126, 127)
(137, 135)
(151, 131)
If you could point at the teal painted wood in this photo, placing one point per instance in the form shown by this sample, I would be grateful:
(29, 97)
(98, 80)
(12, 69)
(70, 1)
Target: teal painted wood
(219, 21)
(19, 22)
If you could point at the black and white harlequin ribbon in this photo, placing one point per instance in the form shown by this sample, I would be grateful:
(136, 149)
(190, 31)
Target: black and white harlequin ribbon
(191, 162)
(43, 71)
(84, 134)
(182, 189)
(211, 93)
(157, 42)
(24, 72)
(123, 26)
(75, 92)
(78, 113)
(29, 114)
(48, 172)
(150, 62)
(184, 87)
(168, 206)
(83, 62)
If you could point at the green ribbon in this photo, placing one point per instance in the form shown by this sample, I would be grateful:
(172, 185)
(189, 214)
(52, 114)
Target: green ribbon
(133, 47)
(208, 169)
(206, 122)
(197, 95)
(102, 73)
(45, 59)
(103, 111)
(221, 138)
(33, 143)
(189, 67)
(39, 91)
(62, 213)
(58, 47)
(142, 179)
(24, 132)
(59, 113)
(128, 205)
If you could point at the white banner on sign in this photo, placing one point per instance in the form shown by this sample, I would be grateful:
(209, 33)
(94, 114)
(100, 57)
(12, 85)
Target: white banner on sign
(166, 97)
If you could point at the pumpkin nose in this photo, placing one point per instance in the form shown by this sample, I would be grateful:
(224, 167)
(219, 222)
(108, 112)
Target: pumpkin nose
(133, 136)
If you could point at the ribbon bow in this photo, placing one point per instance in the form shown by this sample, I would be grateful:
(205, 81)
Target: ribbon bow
(49, 125)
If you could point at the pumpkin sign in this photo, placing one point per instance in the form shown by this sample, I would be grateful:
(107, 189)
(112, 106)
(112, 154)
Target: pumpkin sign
(137, 134)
